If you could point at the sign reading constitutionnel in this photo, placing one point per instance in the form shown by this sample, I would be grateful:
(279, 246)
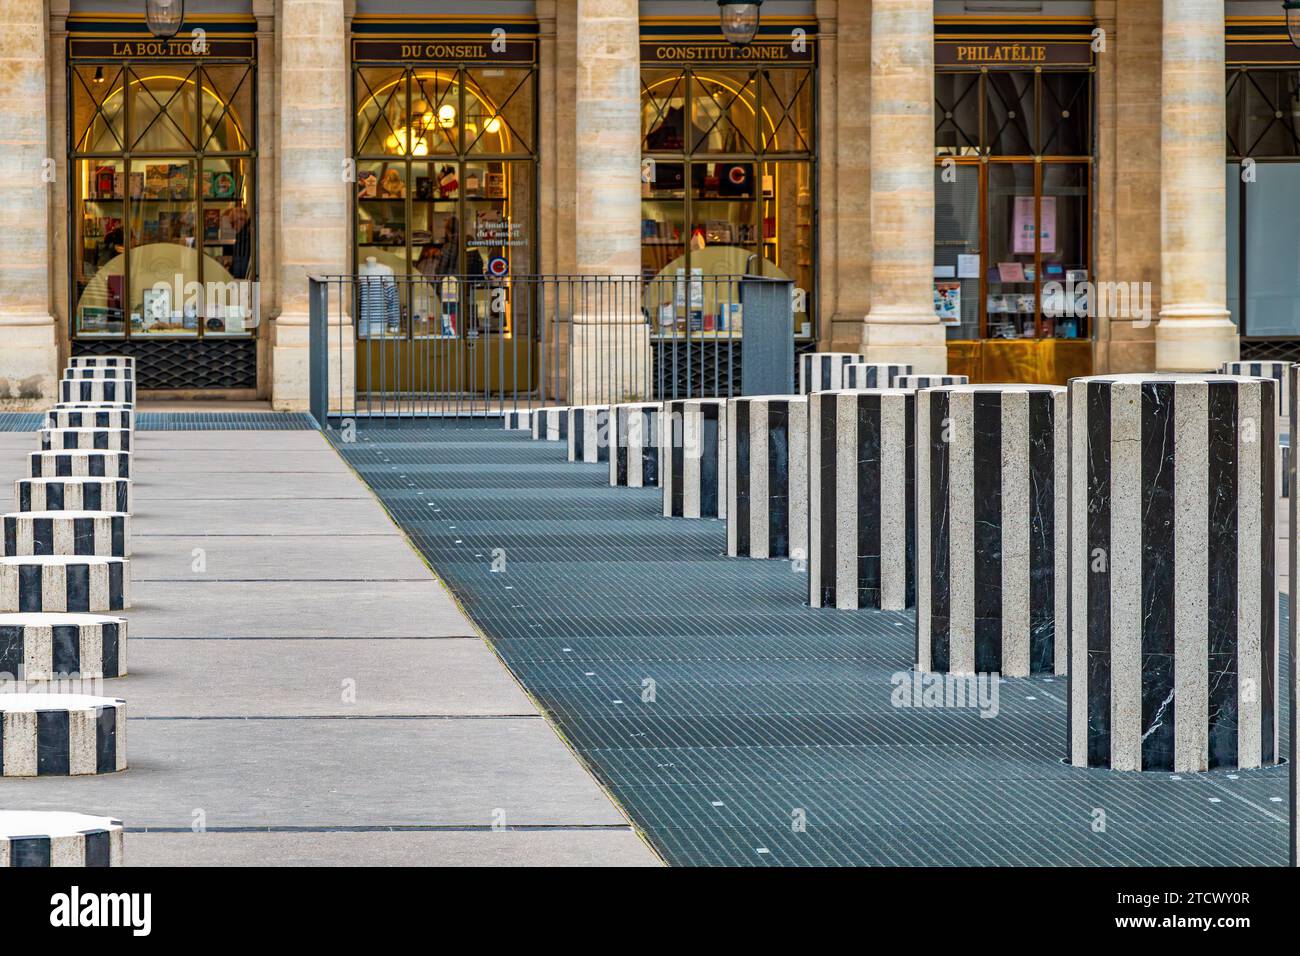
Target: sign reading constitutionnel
(791, 50)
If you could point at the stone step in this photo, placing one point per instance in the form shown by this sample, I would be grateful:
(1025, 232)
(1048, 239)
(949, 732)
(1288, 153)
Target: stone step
(61, 735)
(90, 418)
(551, 424)
(693, 458)
(96, 390)
(73, 494)
(80, 464)
(767, 477)
(123, 372)
(44, 646)
(91, 361)
(97, 439)
(101, 533)
(65, 583)
(517, 421)
(634, 462)
(47, 838)
(589, 433)
(823, 371)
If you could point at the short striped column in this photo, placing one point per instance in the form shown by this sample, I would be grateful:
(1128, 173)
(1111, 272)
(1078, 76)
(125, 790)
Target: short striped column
(104, 416)
(46, 838)
(874, 375)
(991, 529)
(517, 421)
(693, 458)
(92, 361)
(121, 372)
(823, 371)
(929, 381)
(635, 459)
(80, 464)
(61, 735)
(64, 583)
(43, 647)
(73, 494)
(102, 533)
(91, 439)
(767, 477)
(1174, 631)
(1279, 372)
(96, 390)
(1293, 629)
(862, 517)
(551, 424)
(589, 433)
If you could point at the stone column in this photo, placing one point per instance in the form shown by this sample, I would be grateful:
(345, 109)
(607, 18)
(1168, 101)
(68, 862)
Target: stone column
(1195, 332)
(28, 348)
(312, 138)
(611, 348)
(902, 325)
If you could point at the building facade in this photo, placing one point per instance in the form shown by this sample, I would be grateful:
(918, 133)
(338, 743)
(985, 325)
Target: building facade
(1044, 191)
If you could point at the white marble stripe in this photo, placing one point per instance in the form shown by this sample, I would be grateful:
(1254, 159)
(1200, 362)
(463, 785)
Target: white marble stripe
(1060, 526)
(1077, 539)
(1293, 628)
(1191, 577)
(798, 478)
(893, 502)
(924, 661)
(845, 505)
(732, 482)
(759, 430)
(1125, 562)
(1250, 685)
(1015, 533)
(815, 503)
(961, 545)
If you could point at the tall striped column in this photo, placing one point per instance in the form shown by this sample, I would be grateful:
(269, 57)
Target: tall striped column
(1293, 628)
(46, 838)
(991, 529)
(61, 735)
(1174, 640)
(551, 424)
(823, 371)
(929, 381)
(693, 458)
(767, 477)
(589, 433)
(862, 517)
(874, 374)
(634, 462)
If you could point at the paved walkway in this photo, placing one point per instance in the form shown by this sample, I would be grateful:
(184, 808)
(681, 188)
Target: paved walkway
(304, 689)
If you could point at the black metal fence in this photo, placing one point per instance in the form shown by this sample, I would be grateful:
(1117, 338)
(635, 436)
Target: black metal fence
(386, 345)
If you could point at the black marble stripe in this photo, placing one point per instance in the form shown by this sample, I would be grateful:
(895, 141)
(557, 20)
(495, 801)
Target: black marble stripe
(116, 595)
(870, 469)
(1158, 509)
(55, 498)
(649, 451)
(579, 435)
(1222, 490)
(106, 740)
(676, 453)
(25, 496)
(710, 498)
(1268, 580)
(1097, 498)
(622, 436)
(78, 587)
(67, 649)
(29, 587)
(1042, 533)
(92, 496)
(829, 408)
(827, 364)
(940, 598)
(910, 489)
(742, 453)
(30, 852)
(83, 535)
(122, 496)
(98, 852)
(111, 640)
(52, 758)
(778, 479)
(11, 535)
(987, 595)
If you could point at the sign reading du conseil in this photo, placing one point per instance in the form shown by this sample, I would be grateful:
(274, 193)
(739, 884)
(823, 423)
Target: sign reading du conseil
(489, 49)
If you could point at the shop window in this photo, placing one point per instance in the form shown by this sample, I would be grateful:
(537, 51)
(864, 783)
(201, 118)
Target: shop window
(163, 233)
(1010, 126)
(957, 114)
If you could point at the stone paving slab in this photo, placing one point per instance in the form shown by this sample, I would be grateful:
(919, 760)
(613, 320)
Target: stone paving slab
(340, 516)
(277, 486)
(234, 461)
(298, 558)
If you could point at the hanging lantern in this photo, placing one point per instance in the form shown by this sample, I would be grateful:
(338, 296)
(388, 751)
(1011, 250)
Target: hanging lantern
(739, 20)
(164, 17)
(1292, 8)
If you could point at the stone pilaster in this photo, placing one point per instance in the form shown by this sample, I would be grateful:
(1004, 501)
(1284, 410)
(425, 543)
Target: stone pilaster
(1195, 331)
(28, 347)
(312, 138)
(902, 326)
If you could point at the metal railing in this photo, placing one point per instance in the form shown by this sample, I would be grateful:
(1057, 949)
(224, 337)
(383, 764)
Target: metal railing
(415, 346)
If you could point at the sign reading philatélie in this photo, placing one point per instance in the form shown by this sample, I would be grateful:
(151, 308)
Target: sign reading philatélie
(785, 50)
(459, 50)
(991, 54)
(177, 48)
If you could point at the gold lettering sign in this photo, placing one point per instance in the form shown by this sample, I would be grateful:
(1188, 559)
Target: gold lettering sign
(178, 48)
(1002, 53)
(665, 52)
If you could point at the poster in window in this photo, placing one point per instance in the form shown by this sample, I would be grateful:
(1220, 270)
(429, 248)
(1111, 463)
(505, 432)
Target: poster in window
(947, 302)
(1022, 226)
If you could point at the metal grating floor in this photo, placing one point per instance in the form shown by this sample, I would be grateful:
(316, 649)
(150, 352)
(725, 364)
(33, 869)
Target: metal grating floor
(182, 421)
(765, 711)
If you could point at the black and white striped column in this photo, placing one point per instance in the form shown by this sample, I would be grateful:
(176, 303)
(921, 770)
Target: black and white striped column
(65, 583)
(47, 838)
(80, 464)
(991, 536)
(102, 533)
(103, 416)
(693, 458)
(862, 518)
(61, 735)
(96, 390)
(43, 647)
(929, 381)
(823, 371)
(121, 372)
(1174, 631)
(91, 439)
(1293, 629)
(91, 361)
(517, 421)
(874, 374)
(73, 494)
(767, 477)
(1279, 372)
(551, 424)
(635, 459)
(589, 433)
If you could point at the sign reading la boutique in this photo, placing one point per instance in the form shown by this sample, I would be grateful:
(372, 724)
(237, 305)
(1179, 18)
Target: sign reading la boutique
(179, 47)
